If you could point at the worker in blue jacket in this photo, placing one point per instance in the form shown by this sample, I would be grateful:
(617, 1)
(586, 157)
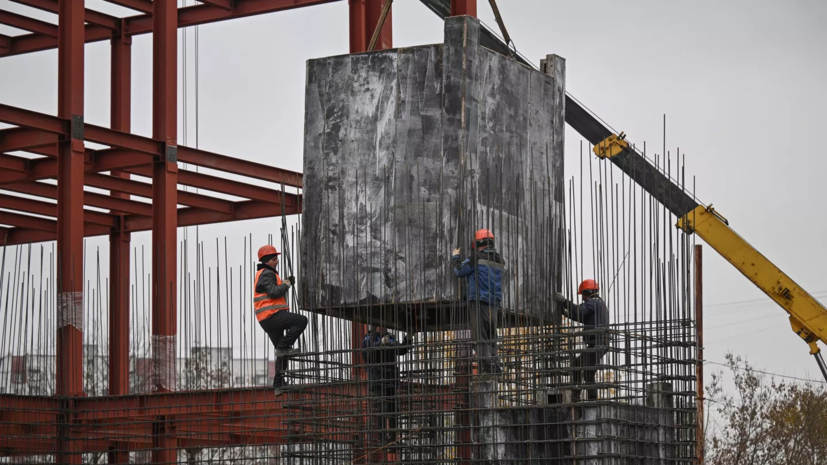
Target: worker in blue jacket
(483, 270)
(594, 315)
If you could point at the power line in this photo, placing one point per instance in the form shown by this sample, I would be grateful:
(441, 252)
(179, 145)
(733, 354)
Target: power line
(733, 323)
(739, 302)
(736, 367)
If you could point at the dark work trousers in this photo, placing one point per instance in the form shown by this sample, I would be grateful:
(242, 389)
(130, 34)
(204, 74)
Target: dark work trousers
(587, 364)
(275, 325)
(385, 404)
(483, 318)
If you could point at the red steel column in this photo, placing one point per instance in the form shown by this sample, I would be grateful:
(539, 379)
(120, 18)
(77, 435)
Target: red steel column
(364, 15)
(119, 116)
(121, 50)
(69, 356)
(164, 215)
(699, 368)
(363, 18)
(464, 7)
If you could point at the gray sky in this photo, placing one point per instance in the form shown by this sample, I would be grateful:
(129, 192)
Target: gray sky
(741, 83)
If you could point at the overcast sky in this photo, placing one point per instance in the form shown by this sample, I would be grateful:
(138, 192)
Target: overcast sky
(741, 83)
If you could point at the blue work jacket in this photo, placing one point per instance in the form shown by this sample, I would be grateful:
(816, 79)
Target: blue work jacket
(484, 271)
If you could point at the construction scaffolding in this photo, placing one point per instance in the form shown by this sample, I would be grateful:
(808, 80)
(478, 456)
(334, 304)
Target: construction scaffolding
(407, 153)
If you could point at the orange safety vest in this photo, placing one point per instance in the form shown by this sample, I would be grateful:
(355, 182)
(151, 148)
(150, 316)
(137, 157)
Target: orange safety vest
(266, 305)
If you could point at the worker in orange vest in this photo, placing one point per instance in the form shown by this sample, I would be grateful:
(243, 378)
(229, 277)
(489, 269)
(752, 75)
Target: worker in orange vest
(273, 312)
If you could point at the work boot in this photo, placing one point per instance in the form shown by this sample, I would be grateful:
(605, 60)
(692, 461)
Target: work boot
(289, 352)
(279, 386)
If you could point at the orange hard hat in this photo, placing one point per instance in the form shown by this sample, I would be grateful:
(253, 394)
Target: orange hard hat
(267, 250)
(588, 285)
(483, 234)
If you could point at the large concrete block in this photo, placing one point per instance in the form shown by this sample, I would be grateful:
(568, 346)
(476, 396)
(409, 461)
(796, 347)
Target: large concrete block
(407, 153)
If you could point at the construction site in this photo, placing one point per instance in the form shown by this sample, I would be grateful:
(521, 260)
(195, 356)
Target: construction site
(423, 167)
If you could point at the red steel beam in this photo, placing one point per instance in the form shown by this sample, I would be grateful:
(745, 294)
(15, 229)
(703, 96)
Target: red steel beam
(16, 236)
(145, 190)
(115, 160)
(13, 139)
(11, 163)
(464, 7)
(124, 140)
(39, 207)
(33, 120)
(22, 170)
(96, 161)
(224, 186)
(144, 6)
(25, 221)
(28, 24)
(364, 16)
(246, 210)
(90, 16)
(5, 44)
(92, 199)
(142, 24)
(226, 5)
(45, 225)
(209, 418)
(243, 167)
(203, 14)
(28, 43)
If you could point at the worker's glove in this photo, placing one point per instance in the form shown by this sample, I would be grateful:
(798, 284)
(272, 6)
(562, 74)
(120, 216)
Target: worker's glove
(290, 280)
(455, 253)
(559, 298)
(386, 340)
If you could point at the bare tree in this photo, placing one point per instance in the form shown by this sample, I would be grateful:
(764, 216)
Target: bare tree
(765, 422)
(204, 370)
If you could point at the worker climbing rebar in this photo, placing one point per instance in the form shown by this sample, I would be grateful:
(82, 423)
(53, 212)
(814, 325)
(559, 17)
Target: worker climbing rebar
(484, 270)
(273, 312)
(594, 315)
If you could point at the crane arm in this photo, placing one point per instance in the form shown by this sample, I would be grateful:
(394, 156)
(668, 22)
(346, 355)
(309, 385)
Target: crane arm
(808, 318)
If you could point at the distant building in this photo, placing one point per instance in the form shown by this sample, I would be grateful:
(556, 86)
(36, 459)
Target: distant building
(205, 368)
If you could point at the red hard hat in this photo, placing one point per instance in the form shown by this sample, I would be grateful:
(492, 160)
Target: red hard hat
(588, 285)
(480, 235)
(483, 234)
(267, 250)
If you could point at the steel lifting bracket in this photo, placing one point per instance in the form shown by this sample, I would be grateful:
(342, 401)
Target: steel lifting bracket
(77, 127)
(611, 146)
(717, 215)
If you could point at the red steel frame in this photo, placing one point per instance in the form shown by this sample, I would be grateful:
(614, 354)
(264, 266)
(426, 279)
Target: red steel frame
(60, 141)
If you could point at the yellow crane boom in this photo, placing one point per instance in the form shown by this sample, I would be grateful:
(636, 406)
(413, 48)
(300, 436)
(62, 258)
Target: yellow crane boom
(808, 317)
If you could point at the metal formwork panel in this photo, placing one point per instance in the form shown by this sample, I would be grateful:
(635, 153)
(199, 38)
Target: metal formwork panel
(409, 151)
